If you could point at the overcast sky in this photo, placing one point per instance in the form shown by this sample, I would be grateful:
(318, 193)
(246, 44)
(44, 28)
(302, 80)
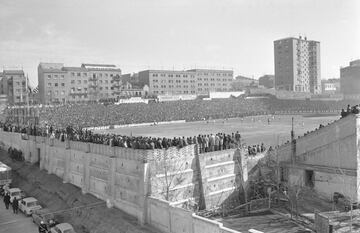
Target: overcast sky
(174, 34)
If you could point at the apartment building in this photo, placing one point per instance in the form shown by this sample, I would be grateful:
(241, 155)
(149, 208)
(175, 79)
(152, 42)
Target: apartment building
(13, 83)
(297, 65)
(191, 82)
(89, 82)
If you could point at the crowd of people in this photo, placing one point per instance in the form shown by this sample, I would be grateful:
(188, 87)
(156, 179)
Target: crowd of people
(96, 114)
(255, 149)
(205, 143)
(350, 110)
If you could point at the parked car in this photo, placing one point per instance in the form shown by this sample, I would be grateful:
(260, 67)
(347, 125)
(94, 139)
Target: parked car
(15, 192)
(62, 228)
(45, 216)
(28, 205)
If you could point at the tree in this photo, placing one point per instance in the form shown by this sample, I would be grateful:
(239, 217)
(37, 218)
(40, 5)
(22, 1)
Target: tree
(167, 175)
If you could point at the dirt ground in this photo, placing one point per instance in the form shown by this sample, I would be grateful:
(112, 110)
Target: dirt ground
(57, 196)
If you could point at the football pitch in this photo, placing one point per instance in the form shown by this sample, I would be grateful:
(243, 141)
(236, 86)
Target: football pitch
(270, 130)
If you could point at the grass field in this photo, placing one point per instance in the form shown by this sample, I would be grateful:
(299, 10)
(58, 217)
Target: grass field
(253, 129)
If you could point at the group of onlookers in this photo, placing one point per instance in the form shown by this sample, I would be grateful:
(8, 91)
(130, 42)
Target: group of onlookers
(14, 203)
(255, 149)
(350, 110)
(205, 143)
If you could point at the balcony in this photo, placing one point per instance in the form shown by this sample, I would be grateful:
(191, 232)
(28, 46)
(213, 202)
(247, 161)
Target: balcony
(93, 79)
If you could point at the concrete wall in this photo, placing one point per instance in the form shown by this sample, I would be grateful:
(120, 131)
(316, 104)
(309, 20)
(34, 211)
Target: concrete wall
(167, 218)
(126, 177)
(332, 152)
(210, 178)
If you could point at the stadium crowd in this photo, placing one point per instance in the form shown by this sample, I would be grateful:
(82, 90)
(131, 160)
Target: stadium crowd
(206, 143)
(93, 115)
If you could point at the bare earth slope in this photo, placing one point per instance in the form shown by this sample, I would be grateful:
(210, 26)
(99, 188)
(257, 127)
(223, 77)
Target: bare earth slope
(57, 196)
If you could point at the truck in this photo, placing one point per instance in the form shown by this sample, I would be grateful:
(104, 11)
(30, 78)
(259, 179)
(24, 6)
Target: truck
(5, 177)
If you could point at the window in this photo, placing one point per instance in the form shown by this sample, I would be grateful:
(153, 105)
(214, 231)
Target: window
(62, 92)
(85, 74)
(72, 74)
(62, 76)
(106, 88)
(78, 74)
(49, 84)
(85, 89)
(106, 81)
(56, 84)
(49, 92)
(49, 76)
(85, 81)
(63, 84)
(79, 81)
(56, 92)
(72, 81)
(55, 76)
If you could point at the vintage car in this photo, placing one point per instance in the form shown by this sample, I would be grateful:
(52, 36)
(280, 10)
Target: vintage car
(45, 216)
(62, 228)
(28, 205)
(15, 192)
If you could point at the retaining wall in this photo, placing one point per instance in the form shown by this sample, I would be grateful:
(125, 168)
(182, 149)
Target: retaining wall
(332, 153)
(126, 177)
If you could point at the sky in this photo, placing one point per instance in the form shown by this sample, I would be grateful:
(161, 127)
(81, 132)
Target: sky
(174, 34)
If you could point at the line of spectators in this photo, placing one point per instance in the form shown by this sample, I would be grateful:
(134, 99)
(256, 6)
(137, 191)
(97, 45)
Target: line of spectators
(206, 143)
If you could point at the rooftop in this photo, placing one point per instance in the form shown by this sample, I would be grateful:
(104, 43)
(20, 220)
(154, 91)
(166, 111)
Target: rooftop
(13, 72)
(295, 38)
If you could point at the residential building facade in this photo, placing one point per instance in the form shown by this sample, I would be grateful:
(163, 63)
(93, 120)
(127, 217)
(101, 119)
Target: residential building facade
(350, 80)
(89, 82)
(297, 65)
(189, 82)
(14, 84)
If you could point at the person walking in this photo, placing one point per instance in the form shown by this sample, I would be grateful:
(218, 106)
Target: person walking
(15, 205)
(7, 200)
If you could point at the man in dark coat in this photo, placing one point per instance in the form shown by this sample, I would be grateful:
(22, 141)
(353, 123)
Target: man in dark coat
(15, 205)
(7, 200)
